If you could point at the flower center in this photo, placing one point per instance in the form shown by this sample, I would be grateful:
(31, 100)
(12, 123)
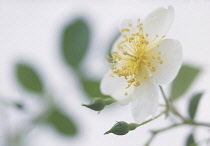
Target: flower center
(136, 55)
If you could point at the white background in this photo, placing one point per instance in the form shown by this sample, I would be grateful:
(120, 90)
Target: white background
(30, 31)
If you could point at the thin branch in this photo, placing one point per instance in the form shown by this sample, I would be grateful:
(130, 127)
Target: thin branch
(164, 96)
(170, 106)
(145, 122)
(150, 140)
(154, 133)
(191, 122)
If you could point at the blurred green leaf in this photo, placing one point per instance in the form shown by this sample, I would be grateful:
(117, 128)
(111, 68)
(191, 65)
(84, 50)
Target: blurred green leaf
(29, 78)
(190, 141)
(193, 105)
(62, 123)
(92, 88)
(75, 41)
(185, 78)
(16, 139)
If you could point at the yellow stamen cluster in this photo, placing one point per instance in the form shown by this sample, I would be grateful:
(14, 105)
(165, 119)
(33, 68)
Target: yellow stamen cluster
(136, 55)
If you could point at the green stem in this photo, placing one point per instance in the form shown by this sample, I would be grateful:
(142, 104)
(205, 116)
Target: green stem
(164, 96)
(155, 132)
(145, 122)
(150, 140)
(191, 122)
(170, 106)
(174, 110)
(167, 128)
(185, 121)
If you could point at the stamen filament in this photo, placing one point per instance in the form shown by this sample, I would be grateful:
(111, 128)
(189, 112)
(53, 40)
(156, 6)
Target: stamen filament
(136, 56)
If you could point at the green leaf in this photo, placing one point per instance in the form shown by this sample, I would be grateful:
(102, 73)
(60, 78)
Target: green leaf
(29, 78)
(75, 41)
(62, 123)
(185, 78)
(16, 139)
(92, 88)
(190, 141)
(194, 105)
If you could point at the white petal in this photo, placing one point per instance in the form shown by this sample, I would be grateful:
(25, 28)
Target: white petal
(126, 24)
(145, 100)
(171, 55)
(129, 24)
(114, 47)
(159, 22)
(116, 88)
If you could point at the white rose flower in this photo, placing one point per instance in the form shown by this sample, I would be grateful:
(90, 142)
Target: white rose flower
(141, 61)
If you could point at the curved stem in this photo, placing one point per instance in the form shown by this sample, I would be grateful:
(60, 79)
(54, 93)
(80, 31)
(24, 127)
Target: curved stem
(170, 106)
(185, 121)
(150, 140)
(164, 96)
(154, 133)
(145, 122)
(191, 122)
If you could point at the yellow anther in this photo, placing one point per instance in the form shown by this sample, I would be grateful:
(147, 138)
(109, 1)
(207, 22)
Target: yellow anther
(158, 58)
(113, 68)
(131, 81)
(152, 69)
(137, 83)
(109, 57)
(126, 93)
(128, 86)
(116, 71)
(138, 19)
(125, 53)
(136, 56)
(131, 38)
(128, 30)
(124, 36)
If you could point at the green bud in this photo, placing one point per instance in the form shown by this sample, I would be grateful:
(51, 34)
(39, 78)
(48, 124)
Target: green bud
(120, 128)
(132, 126)
(97, 104)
